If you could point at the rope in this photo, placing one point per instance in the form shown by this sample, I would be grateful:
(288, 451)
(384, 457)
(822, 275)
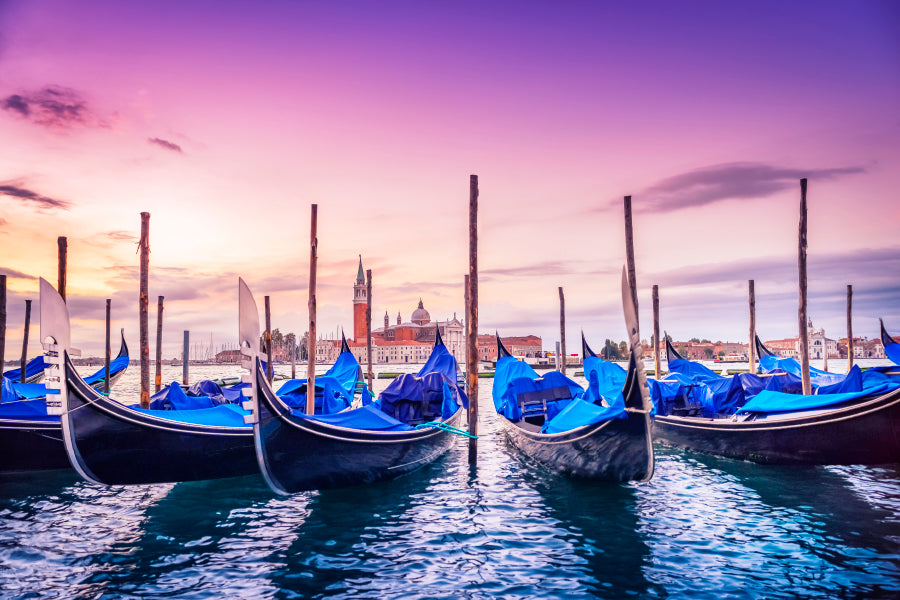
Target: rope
(447, 428)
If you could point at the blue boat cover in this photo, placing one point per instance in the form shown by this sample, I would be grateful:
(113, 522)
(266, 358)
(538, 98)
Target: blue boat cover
(817, 377)
(892, 351)
(694, 370)
(27, 391)
(578, 413)
(367, 418)
(769, 401)
(431, 393)
(30, 410)
(223, 415)
(175, 398)
(514, 378)
(334, 389)
(700, 387)
(605, 380)
(32, 368)
(115, 366)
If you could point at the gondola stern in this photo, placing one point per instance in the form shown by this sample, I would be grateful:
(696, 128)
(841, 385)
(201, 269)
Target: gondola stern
(585, 349)
(502, 352)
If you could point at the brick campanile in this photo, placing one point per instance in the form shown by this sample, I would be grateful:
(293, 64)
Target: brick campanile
(360, 300)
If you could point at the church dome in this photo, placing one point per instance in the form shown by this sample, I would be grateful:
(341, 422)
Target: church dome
(420, 316)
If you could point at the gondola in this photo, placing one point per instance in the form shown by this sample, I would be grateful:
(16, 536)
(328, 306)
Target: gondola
(108, 442)
(32, 440)
(298, 452)
(856, 421)
(34, 371)
(549, 420)
(891, 348)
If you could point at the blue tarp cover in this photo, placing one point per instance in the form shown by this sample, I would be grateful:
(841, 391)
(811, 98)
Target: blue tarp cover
(892, 351)
(119, 364)
(32, 410)
(223, 415)
(368, 418)
(334, 389)
(513, 378)
(32, 368)
(771, 402)
(578, 413)
(605, 380)
(817, 377)
(431, 393)
(174, 398)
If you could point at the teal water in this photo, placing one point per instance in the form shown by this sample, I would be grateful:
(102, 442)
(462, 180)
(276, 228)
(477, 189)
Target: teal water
(702, 528)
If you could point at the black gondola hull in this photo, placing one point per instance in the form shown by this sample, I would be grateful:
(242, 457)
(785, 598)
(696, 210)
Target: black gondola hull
(614, 450)
(864, 433)
(112, 444)
(31, 446)
(298, 454)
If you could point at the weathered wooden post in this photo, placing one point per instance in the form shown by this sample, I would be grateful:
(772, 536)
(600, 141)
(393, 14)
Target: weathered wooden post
(106, 356)
(629, 258)
(752, 353)
(369, 327)
(656, 361)
(313, 256)
(562, 331)
(24, 362)
(270, 370)
(2, 322)
(801, 312)
(143, 309)
(849, 327)
(62, 245)
(186, 353)
(472, 318)
(159, 328)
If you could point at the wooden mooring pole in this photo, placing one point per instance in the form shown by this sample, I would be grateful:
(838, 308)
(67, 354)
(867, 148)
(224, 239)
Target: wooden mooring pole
(801, 312)
(24, 361)
(629, 258)
(562, 332)
(313, 257)
(143, 309)
(186, 357)
(472, 318)
(270, 370)
(656, 362)
(2, 322)
(752, 354)
(849, 327)
(62, 245)
(106, 356)
(371, 372)
(159, 328)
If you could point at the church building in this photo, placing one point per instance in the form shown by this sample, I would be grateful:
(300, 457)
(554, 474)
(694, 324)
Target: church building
(409, 342)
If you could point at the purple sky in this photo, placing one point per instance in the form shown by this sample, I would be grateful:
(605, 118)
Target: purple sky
(227, 120)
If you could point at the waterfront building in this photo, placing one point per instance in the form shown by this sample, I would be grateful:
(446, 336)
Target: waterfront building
(819, 344)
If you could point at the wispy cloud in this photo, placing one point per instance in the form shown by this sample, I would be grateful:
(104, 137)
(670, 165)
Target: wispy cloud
(166, 144)
(122, 236)
(14, 190)
(13, 274)
(729, 181)
(54, 107)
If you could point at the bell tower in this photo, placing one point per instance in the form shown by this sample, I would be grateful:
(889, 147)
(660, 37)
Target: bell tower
(360, 301)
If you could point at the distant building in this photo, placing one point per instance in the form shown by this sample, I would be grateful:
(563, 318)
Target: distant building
(402, 342)
(862, 348)
(818, 345)
(229, 357)
(529, 346)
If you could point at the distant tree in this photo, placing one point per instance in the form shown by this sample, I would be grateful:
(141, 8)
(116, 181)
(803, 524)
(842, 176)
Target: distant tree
(623, 349)
(705, 341)
(610, 350)
(694, 340)
(708, 352)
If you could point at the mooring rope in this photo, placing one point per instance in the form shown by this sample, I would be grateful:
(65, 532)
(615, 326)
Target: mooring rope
(447, 428)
